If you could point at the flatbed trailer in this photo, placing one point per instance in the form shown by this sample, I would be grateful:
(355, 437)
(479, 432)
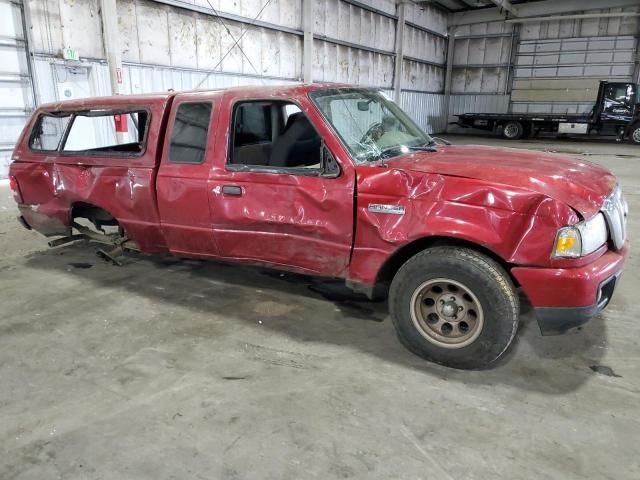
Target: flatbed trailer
(616, 113)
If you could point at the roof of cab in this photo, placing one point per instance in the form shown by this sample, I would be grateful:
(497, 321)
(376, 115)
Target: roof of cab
(116, 101)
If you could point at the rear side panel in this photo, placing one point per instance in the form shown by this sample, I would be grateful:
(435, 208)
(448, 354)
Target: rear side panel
(52, 183)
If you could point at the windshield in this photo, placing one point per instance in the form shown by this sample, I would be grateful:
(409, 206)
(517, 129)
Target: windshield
(371, 126)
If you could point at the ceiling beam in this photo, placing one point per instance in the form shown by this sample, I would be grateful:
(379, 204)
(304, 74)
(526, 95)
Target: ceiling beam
(579, 16)
(536, 9)
(506, 5)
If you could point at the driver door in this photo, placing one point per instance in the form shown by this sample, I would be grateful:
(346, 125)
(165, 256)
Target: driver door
(278, 195)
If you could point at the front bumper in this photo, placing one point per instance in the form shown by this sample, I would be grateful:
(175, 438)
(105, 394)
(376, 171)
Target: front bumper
(564, 298)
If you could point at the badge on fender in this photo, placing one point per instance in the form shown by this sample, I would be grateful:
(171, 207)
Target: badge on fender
(382, 208)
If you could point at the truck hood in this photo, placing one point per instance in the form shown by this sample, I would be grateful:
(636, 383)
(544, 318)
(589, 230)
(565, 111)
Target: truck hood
(581, 185)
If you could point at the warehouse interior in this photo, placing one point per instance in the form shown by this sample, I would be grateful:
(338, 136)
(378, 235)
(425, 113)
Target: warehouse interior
(169, 367)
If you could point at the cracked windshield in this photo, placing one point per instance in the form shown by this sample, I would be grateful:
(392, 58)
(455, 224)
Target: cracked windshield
(372, 126)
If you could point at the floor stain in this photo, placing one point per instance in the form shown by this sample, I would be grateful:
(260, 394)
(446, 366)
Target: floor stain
(604, 370)
(79, 265)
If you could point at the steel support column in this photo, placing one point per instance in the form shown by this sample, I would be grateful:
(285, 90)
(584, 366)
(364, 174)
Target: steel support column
(398, 69)
(111, 40)
(307, 50)
(448, 77)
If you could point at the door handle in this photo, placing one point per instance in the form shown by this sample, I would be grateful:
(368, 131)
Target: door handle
(233, 190)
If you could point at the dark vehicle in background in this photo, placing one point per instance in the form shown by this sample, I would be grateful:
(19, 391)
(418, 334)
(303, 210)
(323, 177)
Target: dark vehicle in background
(616, 113)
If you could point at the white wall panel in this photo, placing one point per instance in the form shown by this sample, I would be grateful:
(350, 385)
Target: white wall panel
(337, 63)
(16, 94)
(287, 13)
(388, 6)
(427, 16)
(423, 77)
(424, 45)
(344, 21)
(588, 27)
(81, 27)
(167, 36)
(481, 62)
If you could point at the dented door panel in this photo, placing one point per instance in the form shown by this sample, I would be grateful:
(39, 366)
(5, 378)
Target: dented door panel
(289, 220)
(300, 222)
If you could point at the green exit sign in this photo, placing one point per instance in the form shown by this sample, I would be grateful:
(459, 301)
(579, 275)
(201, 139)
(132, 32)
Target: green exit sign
(70, 54)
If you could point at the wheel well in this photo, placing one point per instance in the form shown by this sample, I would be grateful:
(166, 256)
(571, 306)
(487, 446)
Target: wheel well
(400, 256)
(96, 215)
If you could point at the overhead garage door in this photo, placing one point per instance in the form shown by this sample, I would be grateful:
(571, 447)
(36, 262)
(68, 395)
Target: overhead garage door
(16, 93)
(562, 75)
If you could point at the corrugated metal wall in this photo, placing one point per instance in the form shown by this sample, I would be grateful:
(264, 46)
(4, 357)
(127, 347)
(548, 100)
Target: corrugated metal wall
(427, 109)
(16, 94)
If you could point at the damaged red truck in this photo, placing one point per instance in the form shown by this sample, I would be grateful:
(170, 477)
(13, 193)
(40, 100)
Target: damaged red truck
(334, 181)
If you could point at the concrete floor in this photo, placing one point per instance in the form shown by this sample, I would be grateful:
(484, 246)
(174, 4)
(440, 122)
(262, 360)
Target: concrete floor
(181, 369)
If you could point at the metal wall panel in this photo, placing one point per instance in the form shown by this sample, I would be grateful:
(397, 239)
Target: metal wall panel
(426, 109)
(481, 58)
(156, 34)
(344, 21)
(145, 79)
(423, 77)
(339, 63)
(424, 45)
(475, 104)
(587, 27)
(427, 16)
(16, 94)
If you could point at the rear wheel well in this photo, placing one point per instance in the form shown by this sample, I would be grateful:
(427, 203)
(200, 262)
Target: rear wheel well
(98, 216)
(400, 256)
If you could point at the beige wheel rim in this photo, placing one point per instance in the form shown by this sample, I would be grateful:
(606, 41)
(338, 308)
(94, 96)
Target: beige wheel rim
(447, 313)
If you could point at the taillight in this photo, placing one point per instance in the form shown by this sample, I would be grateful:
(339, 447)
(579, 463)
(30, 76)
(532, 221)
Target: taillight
(15, 188)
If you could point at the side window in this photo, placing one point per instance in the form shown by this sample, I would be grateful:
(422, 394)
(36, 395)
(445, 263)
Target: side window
(253, 124)
(274, 134)
(48, 132)
(621, 94)
(189, 132)
(107, 132)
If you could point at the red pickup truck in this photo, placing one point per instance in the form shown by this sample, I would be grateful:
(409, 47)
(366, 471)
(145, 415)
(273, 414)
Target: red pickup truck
(334, 181)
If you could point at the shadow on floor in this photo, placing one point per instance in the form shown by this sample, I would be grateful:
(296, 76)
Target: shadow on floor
(552, 365)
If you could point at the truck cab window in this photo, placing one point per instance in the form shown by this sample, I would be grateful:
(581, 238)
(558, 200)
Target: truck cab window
(274, 134)
(189, 132)
(110, 132)
(620, 94)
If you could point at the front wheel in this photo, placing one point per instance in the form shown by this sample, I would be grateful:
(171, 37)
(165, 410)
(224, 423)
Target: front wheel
(455, 307)
(634, 134)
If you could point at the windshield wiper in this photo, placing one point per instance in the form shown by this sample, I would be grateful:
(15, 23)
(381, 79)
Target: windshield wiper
(435, 141)
(384, 153)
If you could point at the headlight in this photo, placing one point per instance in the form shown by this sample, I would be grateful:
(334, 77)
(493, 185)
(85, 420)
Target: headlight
(581, 239)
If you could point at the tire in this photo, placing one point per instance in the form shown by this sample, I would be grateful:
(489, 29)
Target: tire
(634, 133)
(513, 130)
(490, 294)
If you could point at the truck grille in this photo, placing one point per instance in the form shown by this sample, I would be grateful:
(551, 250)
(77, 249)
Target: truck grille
(615, 212)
